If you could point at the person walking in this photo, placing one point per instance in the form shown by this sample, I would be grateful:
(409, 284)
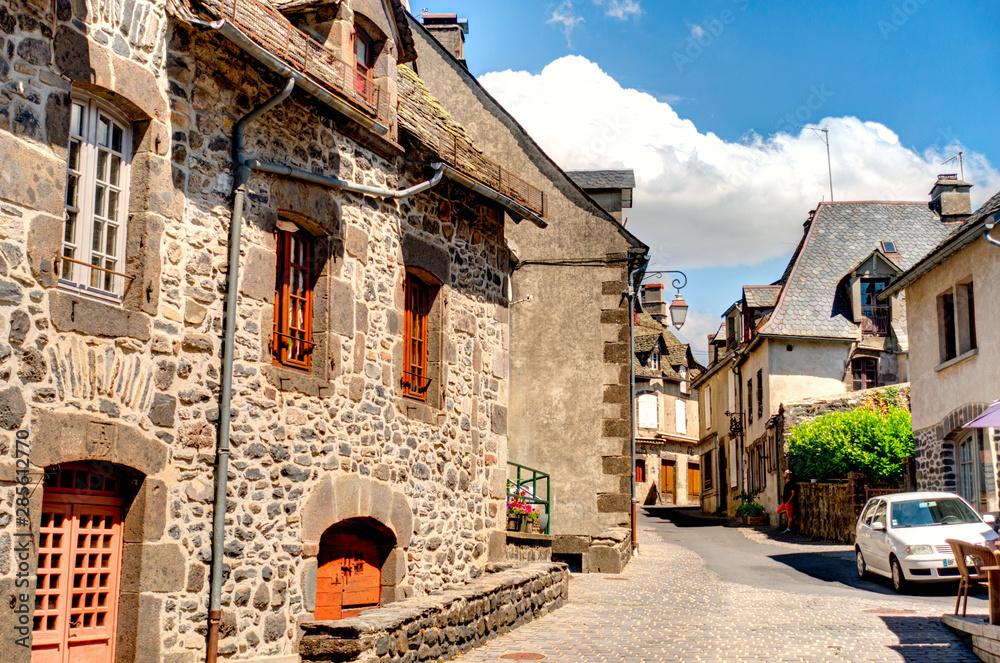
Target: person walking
(788, 498)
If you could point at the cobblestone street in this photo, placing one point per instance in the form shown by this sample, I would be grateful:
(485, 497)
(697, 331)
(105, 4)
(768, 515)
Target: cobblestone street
(668, 606)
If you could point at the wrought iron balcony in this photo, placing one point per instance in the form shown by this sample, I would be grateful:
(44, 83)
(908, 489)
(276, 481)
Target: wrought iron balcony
(274, 32)
(875, 320)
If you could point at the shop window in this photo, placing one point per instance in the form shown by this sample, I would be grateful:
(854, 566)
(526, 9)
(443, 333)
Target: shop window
(96, 205)
(292, 345)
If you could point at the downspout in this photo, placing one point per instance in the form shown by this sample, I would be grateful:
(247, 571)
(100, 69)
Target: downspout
(989, 226)
(305, 175)
(241, 175)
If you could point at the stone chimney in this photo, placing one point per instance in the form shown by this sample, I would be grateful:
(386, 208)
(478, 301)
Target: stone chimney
(654, 304)
(450, 31)
(950, 199)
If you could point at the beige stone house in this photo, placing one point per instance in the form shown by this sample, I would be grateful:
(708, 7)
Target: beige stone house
(717, 442)
(569, 414)
(249, 239)
(666, 426)
(820, 330)
(954, 311)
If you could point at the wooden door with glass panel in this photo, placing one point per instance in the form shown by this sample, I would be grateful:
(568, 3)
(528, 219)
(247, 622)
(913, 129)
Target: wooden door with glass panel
(79, 567)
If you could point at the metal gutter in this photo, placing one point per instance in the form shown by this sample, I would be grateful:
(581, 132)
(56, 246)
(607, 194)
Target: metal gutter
(235, 35)
(298, 173)
(483, 190)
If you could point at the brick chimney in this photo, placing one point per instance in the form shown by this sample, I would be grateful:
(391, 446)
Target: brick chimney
(950, 199)
(654, 304)
(450, 31)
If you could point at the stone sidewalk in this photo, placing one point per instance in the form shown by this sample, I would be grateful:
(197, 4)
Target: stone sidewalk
(668, 606)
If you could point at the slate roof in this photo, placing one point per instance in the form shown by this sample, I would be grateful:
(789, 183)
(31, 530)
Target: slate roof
(603, 179)
(965, 234)
(761, 296)
(839, 236)
(648, 335)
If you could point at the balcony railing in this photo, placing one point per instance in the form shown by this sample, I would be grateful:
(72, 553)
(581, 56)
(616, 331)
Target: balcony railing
(274, 32)
(875, 320)
(523, 484)
(464, 158)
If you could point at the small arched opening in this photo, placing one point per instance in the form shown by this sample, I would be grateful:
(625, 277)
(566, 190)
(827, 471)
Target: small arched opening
(352, 554)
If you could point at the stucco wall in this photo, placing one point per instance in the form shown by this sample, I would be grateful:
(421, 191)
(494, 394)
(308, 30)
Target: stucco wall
(569, 406)
(811, 369)
(935, 393)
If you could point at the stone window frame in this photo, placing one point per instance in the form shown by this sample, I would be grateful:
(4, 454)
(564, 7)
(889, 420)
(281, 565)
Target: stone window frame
(317, 378)
(87, 312)
(284, 330)
(80, 247)
(420, 292)
(432, 264)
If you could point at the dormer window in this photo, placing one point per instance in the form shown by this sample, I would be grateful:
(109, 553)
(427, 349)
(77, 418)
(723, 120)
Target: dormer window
(875, 316)
(363, 62)
(654, 360)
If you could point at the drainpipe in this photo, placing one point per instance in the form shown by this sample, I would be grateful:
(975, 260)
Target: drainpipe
(631, 293)
(243, 168)
(241, 175)
(990, 224)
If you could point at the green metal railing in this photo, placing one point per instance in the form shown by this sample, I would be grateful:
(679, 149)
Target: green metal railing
(523, 484)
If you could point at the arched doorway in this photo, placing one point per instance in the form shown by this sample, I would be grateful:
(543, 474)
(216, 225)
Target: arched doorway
(79, 562)
(349, 567)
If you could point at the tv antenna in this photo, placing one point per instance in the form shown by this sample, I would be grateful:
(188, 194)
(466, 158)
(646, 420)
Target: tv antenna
(826, 141)
(961, 166)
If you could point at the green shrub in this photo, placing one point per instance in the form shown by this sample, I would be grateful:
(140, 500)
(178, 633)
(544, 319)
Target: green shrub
(875, 442)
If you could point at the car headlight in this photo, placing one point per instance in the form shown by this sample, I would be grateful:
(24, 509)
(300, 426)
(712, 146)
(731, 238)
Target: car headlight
(919, 550)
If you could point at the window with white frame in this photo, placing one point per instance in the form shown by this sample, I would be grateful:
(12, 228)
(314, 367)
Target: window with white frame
(654, 360)
(93, 255)
(680, 412)
(708, 406)
(647, 407)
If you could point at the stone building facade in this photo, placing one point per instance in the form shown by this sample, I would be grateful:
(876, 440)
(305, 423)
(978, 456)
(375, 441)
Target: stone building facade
(118, 122)
(570, 409)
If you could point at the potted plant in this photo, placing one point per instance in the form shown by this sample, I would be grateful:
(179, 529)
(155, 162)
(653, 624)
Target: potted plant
(517, 511)
(749, 510)
(532, 523)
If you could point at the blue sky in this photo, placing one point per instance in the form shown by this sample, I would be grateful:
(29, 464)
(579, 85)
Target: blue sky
(901, 86)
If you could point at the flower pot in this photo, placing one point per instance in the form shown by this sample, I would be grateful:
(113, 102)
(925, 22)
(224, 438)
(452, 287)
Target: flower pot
(755, 520)
(515, 522)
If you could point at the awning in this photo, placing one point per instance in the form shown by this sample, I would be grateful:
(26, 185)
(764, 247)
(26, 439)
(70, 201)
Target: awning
(990, 418)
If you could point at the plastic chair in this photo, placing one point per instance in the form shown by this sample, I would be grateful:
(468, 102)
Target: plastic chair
(978, 557)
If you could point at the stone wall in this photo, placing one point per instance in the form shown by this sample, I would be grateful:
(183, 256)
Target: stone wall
(137, 385)
(525, 547)
(934, 448)
(441, 626)
(826, 512)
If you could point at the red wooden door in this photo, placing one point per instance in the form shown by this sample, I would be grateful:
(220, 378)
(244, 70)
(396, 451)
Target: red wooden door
(77, 585)
(349, 578)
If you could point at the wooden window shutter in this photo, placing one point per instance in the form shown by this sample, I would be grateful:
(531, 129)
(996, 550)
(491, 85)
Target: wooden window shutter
(293, 310)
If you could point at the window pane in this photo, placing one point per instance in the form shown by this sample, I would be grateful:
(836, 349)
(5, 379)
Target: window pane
(102, 165)
(103, 128)
(75, 119)
(116, 163)
(74, 154)
(112, 204)
(69, 232)
(108, 276)
(67, 266)
(72, 191)
(116, 139)
(112, 237)
(98, 235)
(95, 274)
(99, 200)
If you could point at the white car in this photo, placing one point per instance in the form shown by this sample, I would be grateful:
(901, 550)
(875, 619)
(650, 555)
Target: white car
(902, 536)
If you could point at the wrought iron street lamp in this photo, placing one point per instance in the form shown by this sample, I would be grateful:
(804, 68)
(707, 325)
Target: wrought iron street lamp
(678, 314)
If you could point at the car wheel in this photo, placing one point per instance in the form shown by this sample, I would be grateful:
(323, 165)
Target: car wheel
(898, 579)
(862, 567)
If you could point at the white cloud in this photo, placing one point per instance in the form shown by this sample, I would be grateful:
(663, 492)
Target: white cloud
(700, 200)
(620, 9)
(565, 18)
(697, 31)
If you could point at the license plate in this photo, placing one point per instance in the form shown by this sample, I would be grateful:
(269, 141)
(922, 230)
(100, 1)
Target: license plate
(949, 562)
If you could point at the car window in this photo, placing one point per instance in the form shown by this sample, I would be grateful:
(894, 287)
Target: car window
(879, 513)
(866, 517)
(934, 511)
